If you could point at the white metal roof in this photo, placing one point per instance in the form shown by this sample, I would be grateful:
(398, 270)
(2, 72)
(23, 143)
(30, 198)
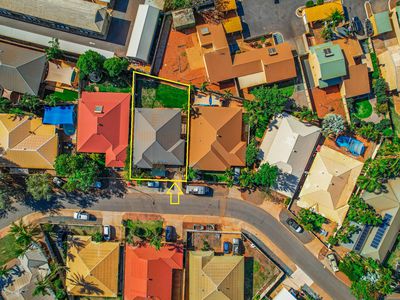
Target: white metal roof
(143, 32)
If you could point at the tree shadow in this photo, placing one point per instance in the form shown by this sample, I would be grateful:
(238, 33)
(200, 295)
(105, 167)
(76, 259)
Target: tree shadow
(88, 288)
(52, 206)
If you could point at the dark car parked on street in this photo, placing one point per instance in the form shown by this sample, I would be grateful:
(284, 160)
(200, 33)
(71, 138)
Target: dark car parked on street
(292, 223)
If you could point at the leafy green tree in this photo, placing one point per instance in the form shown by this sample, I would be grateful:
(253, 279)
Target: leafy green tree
(193, 174)
(4, 271)
(368, 131)
(327, 33)
(155, 241)
(115, 66)
(369, 278)
(54, 51)
(5, 105)
(29, 103)
(310, 220)
(24, 234)
(305, 114)
(38, 185)
(90, 62)
(97, 237)
(320, 2)
(42, 287)
(227, 95)
(52, 99)
(333, 125)
(80, 169)
(266, 176)
(18, 112)
(362, 212)
(229, 174)
(247, 179)
(150, 231)
(268, 102)
(251, 153)
(310, 3)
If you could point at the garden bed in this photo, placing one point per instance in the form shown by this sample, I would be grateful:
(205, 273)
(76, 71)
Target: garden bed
(107, 87)
(7, 247)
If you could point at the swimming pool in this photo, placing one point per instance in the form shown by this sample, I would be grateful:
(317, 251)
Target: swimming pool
(353, 145)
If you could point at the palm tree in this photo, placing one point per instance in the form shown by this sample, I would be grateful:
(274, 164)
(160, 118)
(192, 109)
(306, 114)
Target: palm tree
(229, 173)
(370, 183)
(155, 241)
(227, 95)
(42, 287)
(4, 271)
(24, 234)
(336, 17)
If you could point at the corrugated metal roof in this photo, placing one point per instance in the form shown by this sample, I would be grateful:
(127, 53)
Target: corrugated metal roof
(21, 69)
(143, 32)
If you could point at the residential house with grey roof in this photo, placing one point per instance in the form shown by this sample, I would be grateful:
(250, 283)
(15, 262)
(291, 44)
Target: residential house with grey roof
(157, 138)
(21, 70)
(288, 144)
(377, 241)
(20, 283)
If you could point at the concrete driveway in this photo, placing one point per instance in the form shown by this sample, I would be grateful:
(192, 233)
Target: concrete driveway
(261, 17)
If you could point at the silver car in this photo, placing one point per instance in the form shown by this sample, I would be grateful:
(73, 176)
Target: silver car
(197, 190)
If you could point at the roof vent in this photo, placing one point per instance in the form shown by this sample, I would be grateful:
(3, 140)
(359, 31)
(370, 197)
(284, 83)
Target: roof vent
(328, 52)
(205, 31)
(272, 51)
(98, 109)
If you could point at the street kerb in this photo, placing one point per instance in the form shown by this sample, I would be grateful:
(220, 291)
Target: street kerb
(133, 123)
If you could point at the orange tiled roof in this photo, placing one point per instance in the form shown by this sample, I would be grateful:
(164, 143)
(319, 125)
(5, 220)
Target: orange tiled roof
(105, 132)
(148, 272)
(216, 139)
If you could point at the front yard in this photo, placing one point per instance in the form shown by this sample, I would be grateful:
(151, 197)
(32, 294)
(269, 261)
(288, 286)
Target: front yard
(7, 247)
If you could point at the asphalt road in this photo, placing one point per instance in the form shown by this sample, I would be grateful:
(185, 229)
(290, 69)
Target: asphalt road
(192, 205)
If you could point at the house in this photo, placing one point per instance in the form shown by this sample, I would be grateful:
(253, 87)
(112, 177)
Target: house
(80, 17)
(251, 68)
(26, 143)
(376, 242)
(157, 138)
(328, 65)
(215, 277)
(395, 18)
(217, 141)
(149, 273)
(390, 67)
(321, 12)
(288, 144)
(329, 184)
(21, 281)
(103, 126)
(143, 33)
(381, 23)
(92, 268)
(21, 69)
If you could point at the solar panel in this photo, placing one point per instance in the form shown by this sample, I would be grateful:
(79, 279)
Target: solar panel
(381, 231)
(363, 236)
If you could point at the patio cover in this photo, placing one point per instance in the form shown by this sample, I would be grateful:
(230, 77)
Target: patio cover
(143, 33)
(58, 115)
(61, 73)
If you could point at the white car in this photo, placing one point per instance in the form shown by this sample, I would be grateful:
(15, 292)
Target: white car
(81, 215)
(333, 262)
(107, 232)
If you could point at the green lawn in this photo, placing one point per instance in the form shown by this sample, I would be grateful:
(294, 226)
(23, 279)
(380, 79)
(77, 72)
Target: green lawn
(363, 109)
(287, 88)
(214, 177)
(106, 87)
(7, 247)
(85, 230)
(395, 119)
(170, 96)
(67, 95)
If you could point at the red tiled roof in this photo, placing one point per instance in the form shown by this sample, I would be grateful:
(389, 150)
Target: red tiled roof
(148, 272)
(105, 132)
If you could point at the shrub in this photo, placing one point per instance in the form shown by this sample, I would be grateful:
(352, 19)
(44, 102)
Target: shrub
(97, 237)
(310, 3)
(333, 125)
(251, 153)
(310, 220)
(320, 2)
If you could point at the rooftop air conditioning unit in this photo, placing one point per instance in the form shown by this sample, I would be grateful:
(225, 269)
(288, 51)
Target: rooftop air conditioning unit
(328, 52)
(272, 51)
(98, 109)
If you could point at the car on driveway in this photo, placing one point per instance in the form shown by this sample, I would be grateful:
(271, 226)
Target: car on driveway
(292, 223)
(333, 262)
(107, 232)
(170, 234)
(81, 215)
(237, 246)
(227, 247)
(153, 184)
(357, 26)
(198, 190)
(369, 28)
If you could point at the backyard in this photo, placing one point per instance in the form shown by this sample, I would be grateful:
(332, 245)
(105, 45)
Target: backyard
(155, 94)
(7, 247)
(67, 95)
(107, 87)
(362, 108)
(395, 118)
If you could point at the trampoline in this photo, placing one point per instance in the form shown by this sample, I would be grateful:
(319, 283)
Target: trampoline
(353, 145)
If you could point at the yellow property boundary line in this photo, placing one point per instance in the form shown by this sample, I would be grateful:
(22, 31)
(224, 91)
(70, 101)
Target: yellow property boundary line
(133, 123)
